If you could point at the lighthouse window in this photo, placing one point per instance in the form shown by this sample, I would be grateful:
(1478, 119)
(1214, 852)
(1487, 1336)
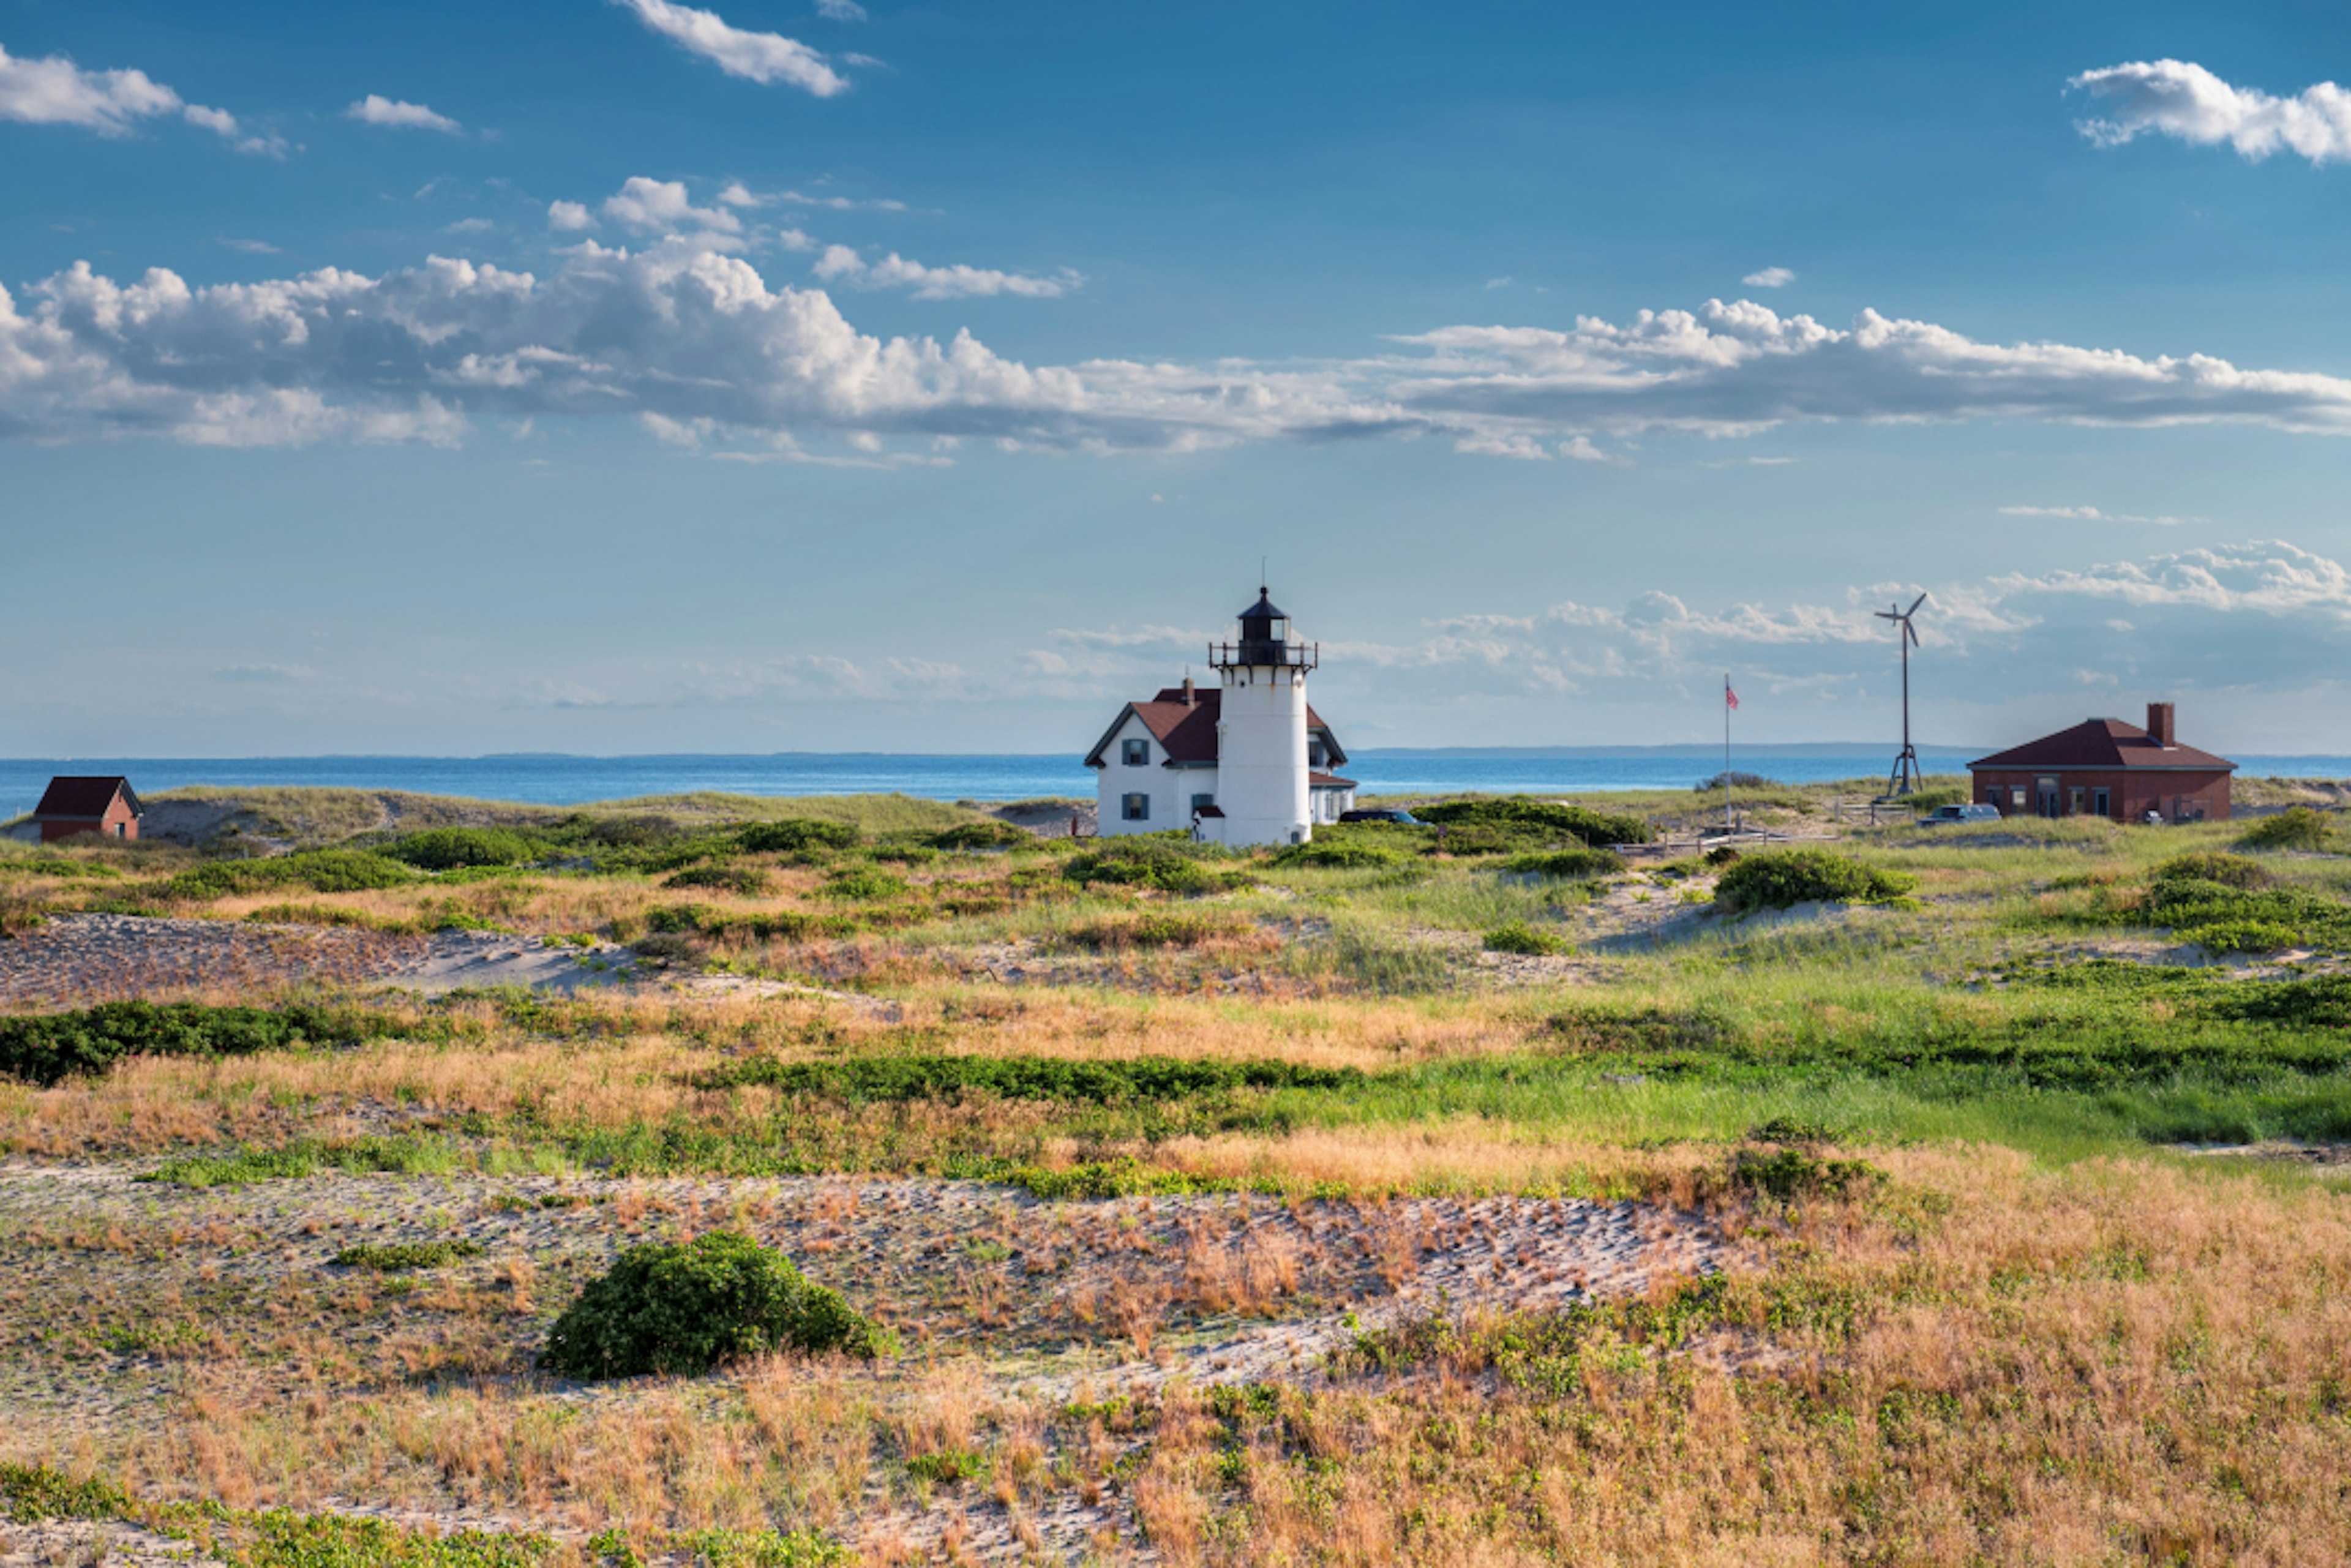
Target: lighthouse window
(1135, 808)
(1277, 631)
(1137, 753)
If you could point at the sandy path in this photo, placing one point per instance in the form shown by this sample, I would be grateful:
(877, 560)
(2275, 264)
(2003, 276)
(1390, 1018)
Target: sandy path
(81, 958)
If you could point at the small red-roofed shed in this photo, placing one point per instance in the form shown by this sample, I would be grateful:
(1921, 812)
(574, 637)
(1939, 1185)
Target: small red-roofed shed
(2105, 768)
(72, 804)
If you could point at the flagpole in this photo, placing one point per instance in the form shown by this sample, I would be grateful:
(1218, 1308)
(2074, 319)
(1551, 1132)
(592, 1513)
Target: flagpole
(1726, 752)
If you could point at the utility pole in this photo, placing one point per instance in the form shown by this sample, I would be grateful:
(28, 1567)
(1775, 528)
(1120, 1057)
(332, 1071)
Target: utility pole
(1905, 778)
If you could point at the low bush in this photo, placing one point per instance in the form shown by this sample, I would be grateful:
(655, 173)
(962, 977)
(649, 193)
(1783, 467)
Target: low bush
(445, 849)
(1339, 854)
(667, 950)
(1788, 1172)
(899, 1078)
(320, 870)
(400, 1257)
(988, 835)
(1170, 864)
(795, 834)
(2295, 828)
(2228, 870)
(748, 881)
(1781, 879)
(1154, 928)
(1575, 822)
(863, 884)
(786, 926)
(48, 1048)
(670, 1308)
(1736, 780)
(1579, 864)
(1526, 940)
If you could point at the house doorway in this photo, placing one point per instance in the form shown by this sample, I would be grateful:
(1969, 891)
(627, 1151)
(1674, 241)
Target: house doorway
(2051, 803)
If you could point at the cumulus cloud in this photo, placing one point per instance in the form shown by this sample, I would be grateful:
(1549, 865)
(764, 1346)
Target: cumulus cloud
(763, 57)
(2087, 515)
(2243, 615)
(570, 216)
(1770, 278)
(55, 91)
(682, 329)
(662, 206)
(841, 264)
(377, 110)
(840, 10)
(2178, 99)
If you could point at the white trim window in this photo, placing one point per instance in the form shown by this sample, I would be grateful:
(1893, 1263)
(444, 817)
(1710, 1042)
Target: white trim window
(1135, 753)
(1135, 808)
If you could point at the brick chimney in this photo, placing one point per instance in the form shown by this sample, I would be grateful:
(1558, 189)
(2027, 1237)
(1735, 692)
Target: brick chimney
(2162, 727)
(1188, 697)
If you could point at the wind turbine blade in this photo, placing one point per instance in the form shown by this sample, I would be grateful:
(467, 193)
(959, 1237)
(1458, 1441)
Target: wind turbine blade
(1914, 605)
(1913, 630)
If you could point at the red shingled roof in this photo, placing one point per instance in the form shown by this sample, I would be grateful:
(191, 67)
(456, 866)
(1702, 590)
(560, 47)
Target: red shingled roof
(2101, 743)
(1188, 731)
(1328, 781)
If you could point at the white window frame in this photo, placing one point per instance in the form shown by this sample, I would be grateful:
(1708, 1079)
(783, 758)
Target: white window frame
(1135, 753)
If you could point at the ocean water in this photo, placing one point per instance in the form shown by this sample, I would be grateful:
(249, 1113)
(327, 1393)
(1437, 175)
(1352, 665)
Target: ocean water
(551, 779)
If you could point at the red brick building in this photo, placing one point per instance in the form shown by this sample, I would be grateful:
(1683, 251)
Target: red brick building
(2105, 768)
(73, 805)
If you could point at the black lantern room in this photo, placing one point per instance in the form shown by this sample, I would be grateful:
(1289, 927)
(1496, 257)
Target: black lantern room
(1265, 639)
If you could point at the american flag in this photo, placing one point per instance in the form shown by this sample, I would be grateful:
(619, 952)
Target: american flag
(1729, 698)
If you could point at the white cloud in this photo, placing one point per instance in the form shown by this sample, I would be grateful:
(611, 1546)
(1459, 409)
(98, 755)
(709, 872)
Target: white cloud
(253, 247)
(1497, 283)
(377, 110)
(662, 206)
(840, 10)
(1770, 278)
(681, 329)
(470, 226)
(763, 57)
(834, 203)
(570, 216)
(55, 91)
(2088, 515)
(841, 264)
(2176, 98)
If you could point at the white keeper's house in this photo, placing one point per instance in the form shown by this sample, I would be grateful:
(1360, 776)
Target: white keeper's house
(1247, 762)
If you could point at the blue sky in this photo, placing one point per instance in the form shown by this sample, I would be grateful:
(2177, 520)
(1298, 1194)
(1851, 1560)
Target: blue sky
(623, 375)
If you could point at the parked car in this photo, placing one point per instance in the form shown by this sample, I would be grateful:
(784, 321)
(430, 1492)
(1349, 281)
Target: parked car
(1965, 811)
(1381, 815)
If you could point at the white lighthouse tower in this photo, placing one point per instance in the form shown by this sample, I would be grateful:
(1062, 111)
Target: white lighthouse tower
(1261, 761)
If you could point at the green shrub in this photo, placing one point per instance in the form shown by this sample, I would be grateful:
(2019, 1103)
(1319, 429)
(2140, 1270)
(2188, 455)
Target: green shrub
(48, 1048)
(1791, 1173)
(989, 835)
(320, 870)
(748, 881)
(1171, 864)
(2241, 936)
(1781, 879)
(1580, 863)
(794, 834)
(1154, 928)
(1342, 854)
(1576, 822)
(668, 1308)
(864, 883)
(1519, 937)
(2295, 828)
(445, 849)
(2228, 870)
(399, 1257)
(1736, 780)
(892, 1080)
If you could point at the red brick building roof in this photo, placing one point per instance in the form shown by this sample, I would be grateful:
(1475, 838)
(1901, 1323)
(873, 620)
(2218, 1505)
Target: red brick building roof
(79, 798)
(2101, 744)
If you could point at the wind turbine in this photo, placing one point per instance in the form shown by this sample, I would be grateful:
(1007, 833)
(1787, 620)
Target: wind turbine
(1904, 779)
